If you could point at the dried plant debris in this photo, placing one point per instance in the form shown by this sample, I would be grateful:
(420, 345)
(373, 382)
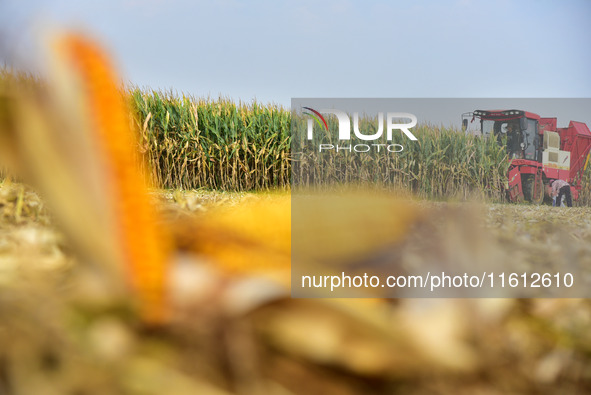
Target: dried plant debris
(19, 204)
(64, 329)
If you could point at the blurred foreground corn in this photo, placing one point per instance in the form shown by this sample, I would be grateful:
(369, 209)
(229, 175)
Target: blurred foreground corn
(145, 248)
(76, 145)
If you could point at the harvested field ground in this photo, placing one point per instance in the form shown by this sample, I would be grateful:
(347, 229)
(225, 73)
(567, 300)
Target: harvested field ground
(61, 332)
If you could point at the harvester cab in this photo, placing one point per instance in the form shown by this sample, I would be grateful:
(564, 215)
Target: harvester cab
(538, 151)
(516, 130)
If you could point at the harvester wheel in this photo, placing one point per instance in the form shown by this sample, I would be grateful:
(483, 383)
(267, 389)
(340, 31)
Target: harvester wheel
(533, 189)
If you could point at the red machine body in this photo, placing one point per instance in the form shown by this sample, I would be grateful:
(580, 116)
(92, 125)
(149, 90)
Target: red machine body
(539, 151)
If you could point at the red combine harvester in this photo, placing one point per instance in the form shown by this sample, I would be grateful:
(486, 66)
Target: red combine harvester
(539, 151)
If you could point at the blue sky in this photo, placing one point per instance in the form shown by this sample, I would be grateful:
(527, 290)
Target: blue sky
(276, 50)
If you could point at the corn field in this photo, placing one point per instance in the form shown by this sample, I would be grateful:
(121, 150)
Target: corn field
(192, 143)
(196, 143)
(585, 194)
(442, 163)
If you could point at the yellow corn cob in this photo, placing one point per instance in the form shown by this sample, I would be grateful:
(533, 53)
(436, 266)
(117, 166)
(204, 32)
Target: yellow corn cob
(143, 244)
